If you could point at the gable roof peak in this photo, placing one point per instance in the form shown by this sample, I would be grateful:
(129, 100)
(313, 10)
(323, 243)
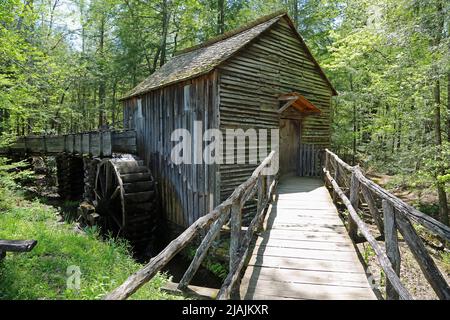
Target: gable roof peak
(204, 58)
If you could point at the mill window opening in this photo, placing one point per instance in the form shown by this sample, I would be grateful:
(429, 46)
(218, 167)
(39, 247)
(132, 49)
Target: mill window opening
(187, 98)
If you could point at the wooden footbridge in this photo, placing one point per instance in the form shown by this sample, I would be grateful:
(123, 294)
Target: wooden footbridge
(303, 250)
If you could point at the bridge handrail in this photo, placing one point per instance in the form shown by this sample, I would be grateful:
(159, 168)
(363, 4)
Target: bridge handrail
(257, 183)
(430, 224)
(397, 215)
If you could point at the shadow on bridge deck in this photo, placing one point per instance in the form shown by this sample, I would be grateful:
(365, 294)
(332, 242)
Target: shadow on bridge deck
(305, 251)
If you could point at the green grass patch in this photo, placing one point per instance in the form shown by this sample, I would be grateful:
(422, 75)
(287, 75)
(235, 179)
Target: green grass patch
(42, 273)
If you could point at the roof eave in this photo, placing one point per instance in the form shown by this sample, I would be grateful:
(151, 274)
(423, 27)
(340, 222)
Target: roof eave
(196, 75)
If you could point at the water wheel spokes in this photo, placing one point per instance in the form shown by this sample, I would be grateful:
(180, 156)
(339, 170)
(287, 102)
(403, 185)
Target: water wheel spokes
(110, 208)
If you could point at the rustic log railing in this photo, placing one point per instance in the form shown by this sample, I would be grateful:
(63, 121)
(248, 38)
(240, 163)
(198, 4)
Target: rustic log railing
(397, 215)
(95, 143)
(258, 184)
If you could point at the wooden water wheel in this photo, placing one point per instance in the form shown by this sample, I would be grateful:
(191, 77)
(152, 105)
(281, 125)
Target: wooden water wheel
(125, 198)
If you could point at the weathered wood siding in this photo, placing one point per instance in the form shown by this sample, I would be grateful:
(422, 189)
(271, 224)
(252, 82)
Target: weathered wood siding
(187, 191)
(249, 86)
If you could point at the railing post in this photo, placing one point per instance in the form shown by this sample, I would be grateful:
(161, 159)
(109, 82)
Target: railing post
(235, 241)
(367, 194)
(261, 193)
(326, 165)
(235, 225)
(354, 200)
(336, 178)
(391, 243)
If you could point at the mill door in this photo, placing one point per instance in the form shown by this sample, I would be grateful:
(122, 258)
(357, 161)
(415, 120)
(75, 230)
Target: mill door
(289, 146)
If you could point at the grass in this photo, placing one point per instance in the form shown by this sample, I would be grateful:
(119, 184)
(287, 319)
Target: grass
(445, 256)
(42, 273)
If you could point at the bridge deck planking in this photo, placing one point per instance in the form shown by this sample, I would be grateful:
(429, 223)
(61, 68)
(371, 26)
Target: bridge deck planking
(305, 253)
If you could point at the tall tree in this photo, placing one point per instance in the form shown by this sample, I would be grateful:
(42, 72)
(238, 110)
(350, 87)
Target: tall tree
(221, 4)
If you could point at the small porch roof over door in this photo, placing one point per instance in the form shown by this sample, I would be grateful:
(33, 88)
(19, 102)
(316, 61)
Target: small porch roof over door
(298, 102)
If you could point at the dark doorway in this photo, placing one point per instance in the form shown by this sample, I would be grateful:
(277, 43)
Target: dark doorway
(289, 146)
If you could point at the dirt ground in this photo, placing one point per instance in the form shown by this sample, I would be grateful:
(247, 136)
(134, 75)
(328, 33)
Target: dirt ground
(410, 273)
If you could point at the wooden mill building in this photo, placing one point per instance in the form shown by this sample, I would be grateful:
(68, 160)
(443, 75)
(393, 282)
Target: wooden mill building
(260, 76)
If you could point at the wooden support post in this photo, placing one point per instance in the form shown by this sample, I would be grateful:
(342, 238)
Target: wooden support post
(354, 200)
(327, 167)
(392, 250)
(202, 250)
(336, 178)
(373, 208)
(235, 225)
(426, 263)
(261, 193)
(235, 238)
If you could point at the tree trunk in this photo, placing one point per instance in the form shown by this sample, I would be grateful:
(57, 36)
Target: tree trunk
(448, 106)
(114, 102)
(443, 206)
(165, 29)
(102, 84)
(220, 16)
(354, 123)
(295, 13)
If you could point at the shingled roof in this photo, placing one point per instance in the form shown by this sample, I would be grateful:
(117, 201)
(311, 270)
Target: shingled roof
(202, 59)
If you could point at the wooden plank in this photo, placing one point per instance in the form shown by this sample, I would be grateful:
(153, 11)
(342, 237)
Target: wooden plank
(304, 264)
(345, 256)
(317, 228)
(35, 144)
(308, 291)
(106, 146)
(95, 144)
(17, 245)
(302, 235)
(55, 144)
(308, 276)
(305, 244)
(77, 147)
(85, 143)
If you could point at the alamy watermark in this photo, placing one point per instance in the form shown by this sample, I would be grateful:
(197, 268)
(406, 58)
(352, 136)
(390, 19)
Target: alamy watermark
(233, 146)
(73, 281)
